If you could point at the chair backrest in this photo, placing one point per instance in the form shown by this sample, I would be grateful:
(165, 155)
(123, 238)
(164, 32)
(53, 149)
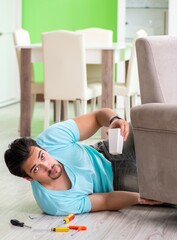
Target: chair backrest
(132, 78)
(94, 35)
(64, 65)
(157, 66)
(22, 37)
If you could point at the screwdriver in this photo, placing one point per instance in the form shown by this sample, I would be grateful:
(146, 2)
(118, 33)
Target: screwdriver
(68, 218)
(60, 229)
(15, 222)
(78, 228)
(66, 229)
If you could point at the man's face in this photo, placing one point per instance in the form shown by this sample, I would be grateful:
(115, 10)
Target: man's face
(41, 166)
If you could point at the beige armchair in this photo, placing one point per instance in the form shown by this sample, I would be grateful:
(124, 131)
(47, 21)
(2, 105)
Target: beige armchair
(155, 121)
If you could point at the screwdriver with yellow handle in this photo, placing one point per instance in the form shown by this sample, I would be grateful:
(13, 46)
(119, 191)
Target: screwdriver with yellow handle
(68, 218)
(66, 229)
(60, 229)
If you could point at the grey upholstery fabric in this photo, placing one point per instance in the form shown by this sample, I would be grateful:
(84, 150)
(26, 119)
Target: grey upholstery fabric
(157, 66)
(155, 121)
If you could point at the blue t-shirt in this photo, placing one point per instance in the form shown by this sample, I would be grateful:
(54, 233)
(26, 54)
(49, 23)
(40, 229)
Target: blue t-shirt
(87, 169)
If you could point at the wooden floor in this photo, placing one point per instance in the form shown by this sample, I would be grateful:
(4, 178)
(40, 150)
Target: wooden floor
(17, 202)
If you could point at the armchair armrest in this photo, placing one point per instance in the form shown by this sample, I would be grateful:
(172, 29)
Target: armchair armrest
(155, 116)
(155, 137)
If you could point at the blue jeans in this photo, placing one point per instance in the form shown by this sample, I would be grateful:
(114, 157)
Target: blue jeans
(123, 165)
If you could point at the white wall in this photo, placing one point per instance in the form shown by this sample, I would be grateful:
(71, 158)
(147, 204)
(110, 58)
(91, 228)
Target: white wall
(10, 20)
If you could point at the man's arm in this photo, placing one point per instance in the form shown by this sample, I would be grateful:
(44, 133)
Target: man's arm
(112, 201)
(89, 123)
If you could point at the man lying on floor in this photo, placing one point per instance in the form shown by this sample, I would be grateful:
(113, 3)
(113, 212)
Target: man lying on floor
(69, 177)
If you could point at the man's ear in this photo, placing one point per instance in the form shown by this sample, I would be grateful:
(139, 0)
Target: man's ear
(28, 179)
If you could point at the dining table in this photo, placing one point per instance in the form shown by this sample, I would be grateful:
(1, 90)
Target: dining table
(105, 54)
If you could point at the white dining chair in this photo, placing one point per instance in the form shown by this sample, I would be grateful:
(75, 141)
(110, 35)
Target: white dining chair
(22, 37)
(130, 89)
(65, 75)
(91, 36)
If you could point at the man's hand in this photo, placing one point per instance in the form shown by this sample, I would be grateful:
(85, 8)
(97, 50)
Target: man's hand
(123, 125)
(143, 201)
(113, 200)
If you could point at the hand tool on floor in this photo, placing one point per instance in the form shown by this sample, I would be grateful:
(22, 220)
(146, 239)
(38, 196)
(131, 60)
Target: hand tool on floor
(66, 229)
(68, 218)
(15, 222)
(77, 228)
(60, 229)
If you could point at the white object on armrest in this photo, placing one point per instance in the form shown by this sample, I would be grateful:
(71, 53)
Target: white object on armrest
(115, 141)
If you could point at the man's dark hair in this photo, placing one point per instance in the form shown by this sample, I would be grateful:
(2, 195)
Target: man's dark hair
(17, 154)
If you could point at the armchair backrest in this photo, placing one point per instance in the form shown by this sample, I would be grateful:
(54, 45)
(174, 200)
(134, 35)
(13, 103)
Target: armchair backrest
(157, 67)
(132, 79)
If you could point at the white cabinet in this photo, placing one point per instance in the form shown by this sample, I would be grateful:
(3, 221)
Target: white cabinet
(155, 16)
(150, 15)
(10, 13)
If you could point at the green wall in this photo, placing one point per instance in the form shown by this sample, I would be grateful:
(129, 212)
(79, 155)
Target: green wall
(46, 15)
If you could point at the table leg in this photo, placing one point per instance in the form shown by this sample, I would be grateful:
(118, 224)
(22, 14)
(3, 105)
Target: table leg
(107, 83)
(25, 109)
